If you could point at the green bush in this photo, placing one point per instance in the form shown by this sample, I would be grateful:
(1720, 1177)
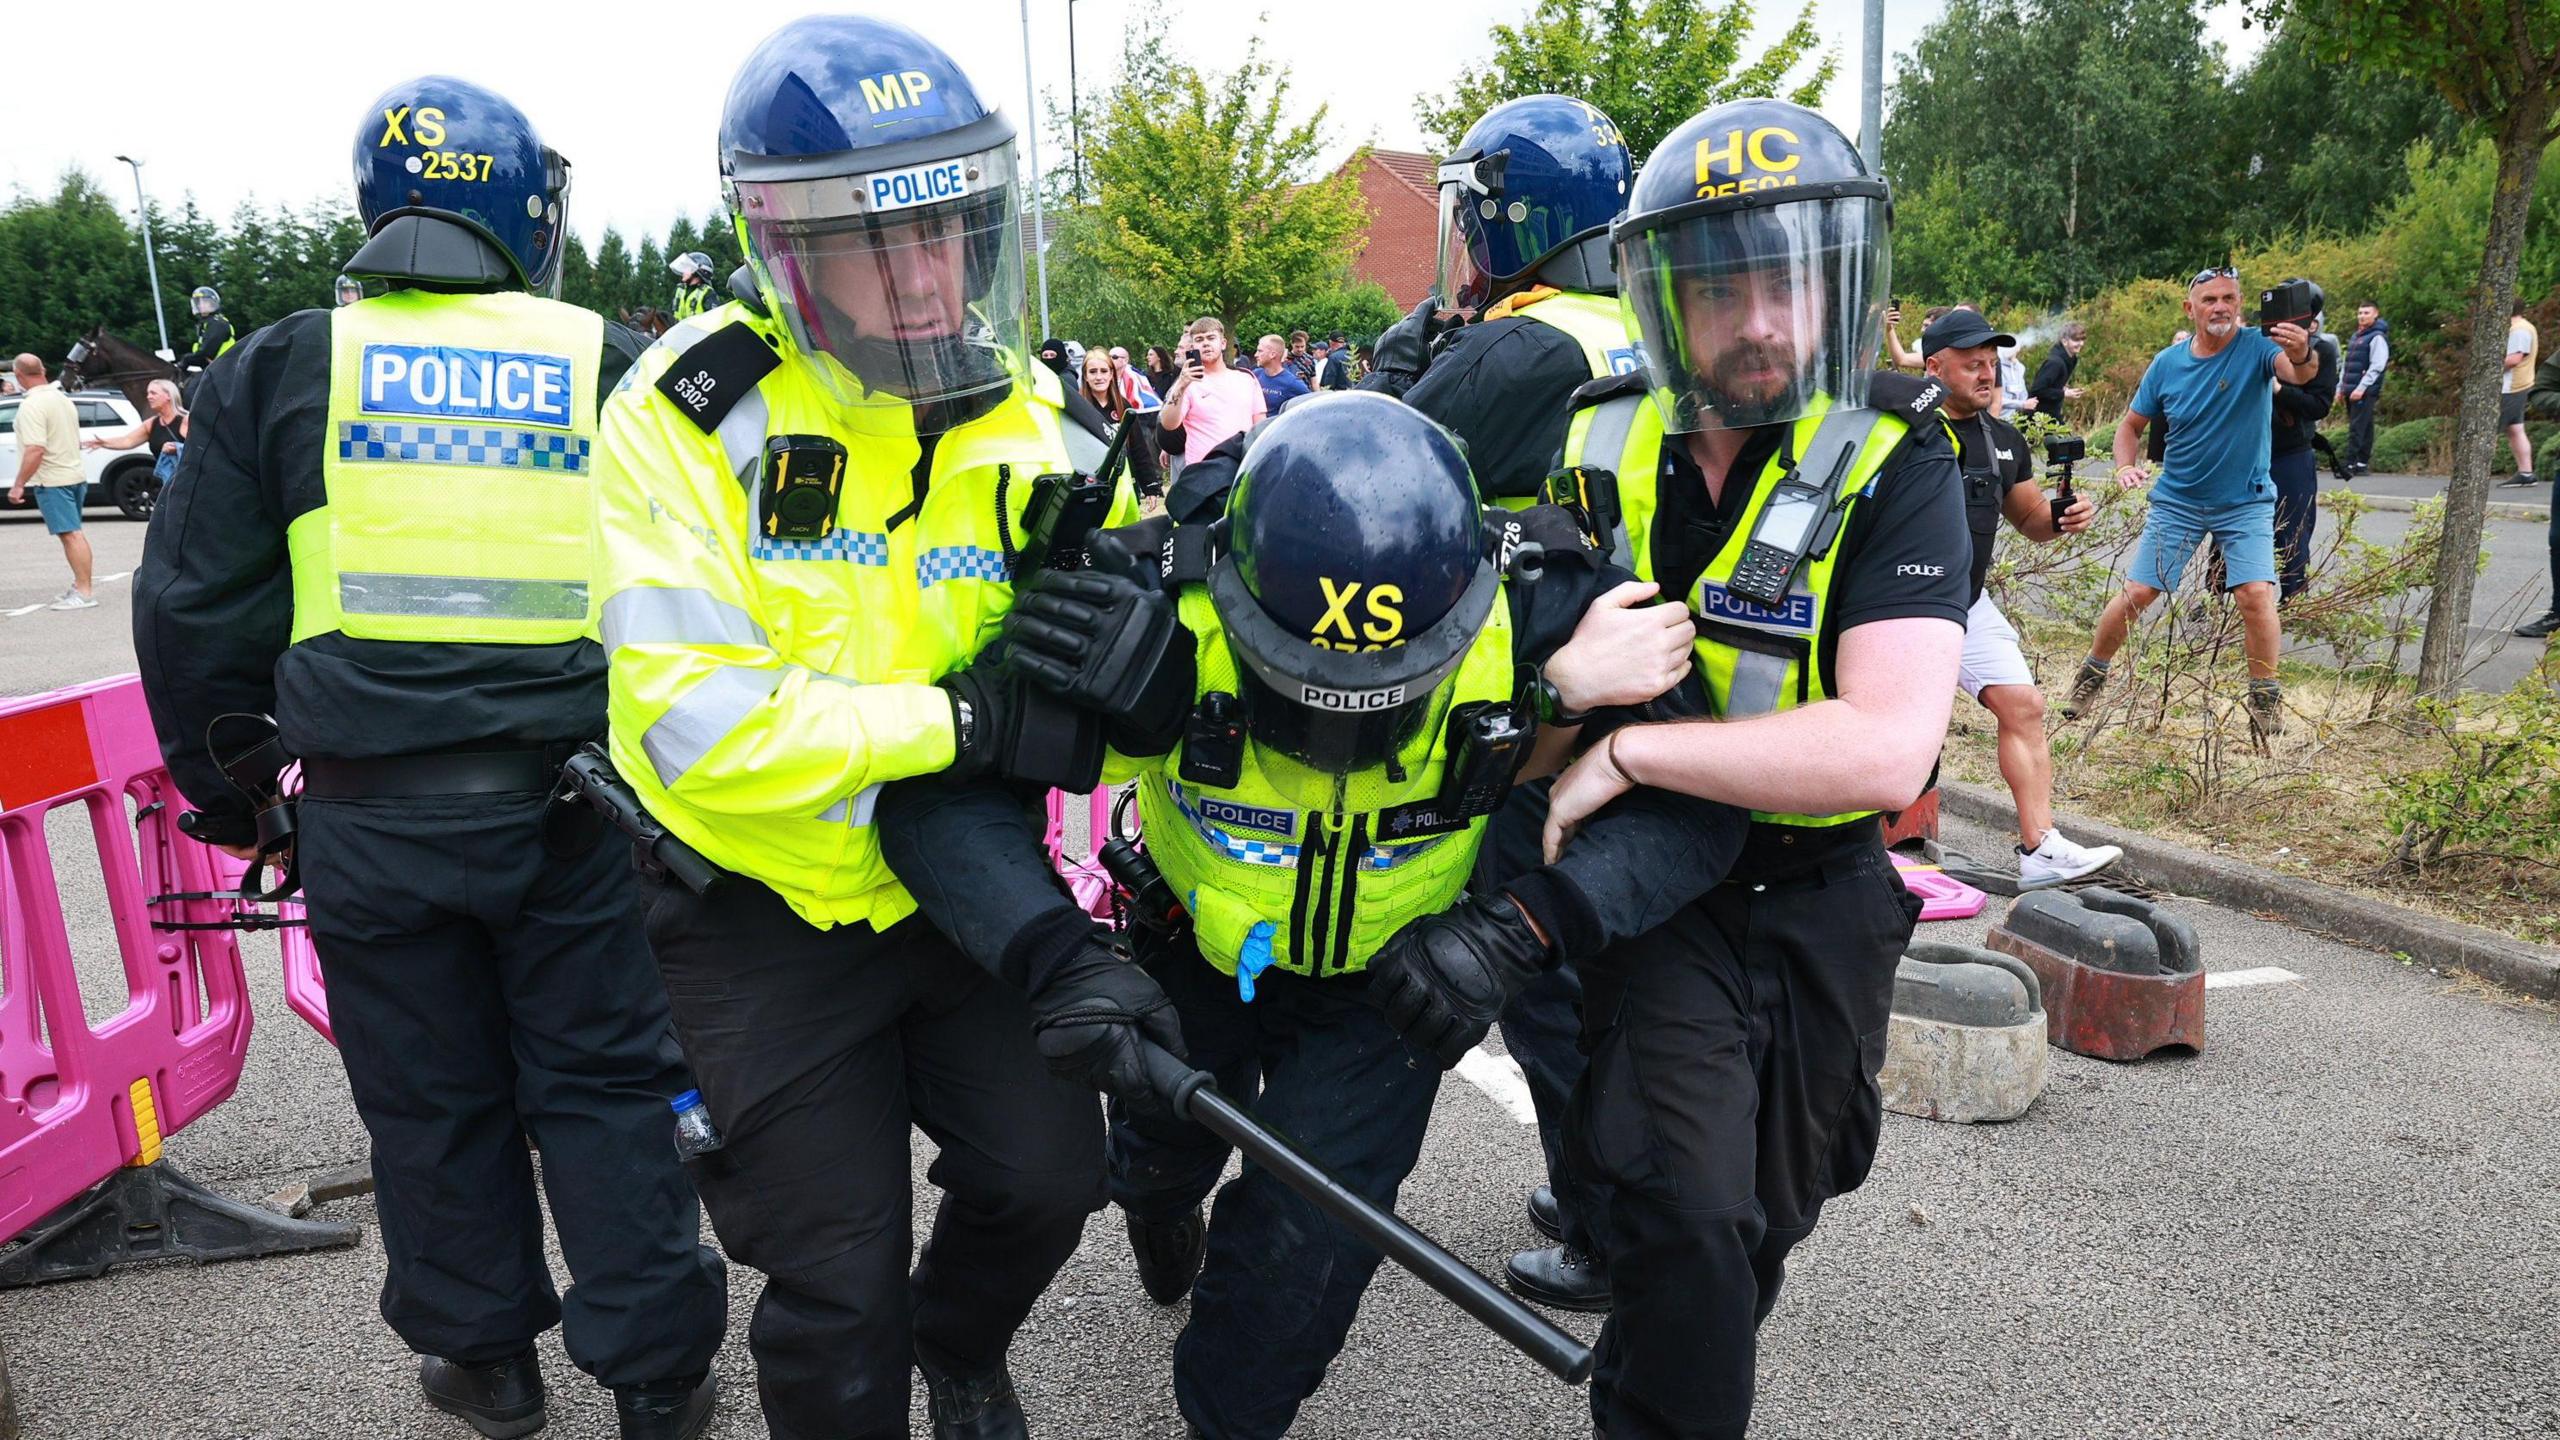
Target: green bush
(2493, 789)
(2409, 445)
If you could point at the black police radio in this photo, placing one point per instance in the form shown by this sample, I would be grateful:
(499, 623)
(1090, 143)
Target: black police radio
(803, 484)
(1797, 520)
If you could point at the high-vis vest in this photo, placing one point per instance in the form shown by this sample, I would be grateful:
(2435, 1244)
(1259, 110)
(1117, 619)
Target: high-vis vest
(459, 473)
(1591, 322)
(1753, 660)
(690, 300)
(763, 689)
(230, 337)
(1293, 868)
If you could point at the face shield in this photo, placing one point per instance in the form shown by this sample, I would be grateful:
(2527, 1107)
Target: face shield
(349, 291)
(204, 303)
(552, 210)
(1748, 312)
(903, 286)
(1467, 187)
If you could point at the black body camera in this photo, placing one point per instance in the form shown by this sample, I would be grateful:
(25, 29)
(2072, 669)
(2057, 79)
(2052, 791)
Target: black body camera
(803, 482)
(1213, 742)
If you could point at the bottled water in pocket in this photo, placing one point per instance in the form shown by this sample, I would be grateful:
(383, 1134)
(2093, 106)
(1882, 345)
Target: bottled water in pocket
(696, 1136)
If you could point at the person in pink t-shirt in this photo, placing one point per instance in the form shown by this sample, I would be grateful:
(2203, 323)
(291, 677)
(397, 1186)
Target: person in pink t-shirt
(1210, 400)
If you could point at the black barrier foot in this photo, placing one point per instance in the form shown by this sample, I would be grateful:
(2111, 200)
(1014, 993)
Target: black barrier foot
(151, 1212)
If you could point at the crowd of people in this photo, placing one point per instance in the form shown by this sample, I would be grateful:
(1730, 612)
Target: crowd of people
(1554, 670)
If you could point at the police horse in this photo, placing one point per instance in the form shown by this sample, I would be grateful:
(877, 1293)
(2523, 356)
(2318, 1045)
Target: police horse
(100, 361)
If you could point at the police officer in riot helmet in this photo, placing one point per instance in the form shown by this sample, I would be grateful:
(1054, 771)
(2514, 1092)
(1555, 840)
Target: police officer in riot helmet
(694, 282)
(1810, 512)
(1525, 205)
(816, 502)
(348, 290)
(1353, 688)
(214, 333)
(384, 541)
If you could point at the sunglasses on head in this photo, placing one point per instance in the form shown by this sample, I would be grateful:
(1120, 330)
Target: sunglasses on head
(2218, 272)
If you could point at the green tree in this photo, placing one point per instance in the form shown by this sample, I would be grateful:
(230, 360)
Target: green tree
(2079, 121)
(1948, 245)
(69, 263)
(1206, 199)
(2302, 152)
(1647, 65)
(2497, 63)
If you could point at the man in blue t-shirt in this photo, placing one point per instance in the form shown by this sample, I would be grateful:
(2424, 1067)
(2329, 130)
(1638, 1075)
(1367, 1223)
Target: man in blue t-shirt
(1280, 382)
(2216, 392)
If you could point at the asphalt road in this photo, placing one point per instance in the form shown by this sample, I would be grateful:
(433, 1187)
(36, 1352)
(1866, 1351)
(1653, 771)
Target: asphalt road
(2339, 1220)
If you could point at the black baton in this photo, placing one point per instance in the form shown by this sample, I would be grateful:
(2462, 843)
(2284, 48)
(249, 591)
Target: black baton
(1195, 1097)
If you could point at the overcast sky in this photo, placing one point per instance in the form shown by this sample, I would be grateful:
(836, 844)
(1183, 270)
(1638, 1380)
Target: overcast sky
(234, 101)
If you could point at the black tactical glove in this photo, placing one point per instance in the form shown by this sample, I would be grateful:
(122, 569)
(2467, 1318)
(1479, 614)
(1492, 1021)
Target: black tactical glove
(1095, 1016)
(1443, 979)
(1002, 725)
(1095, 640)
(1405, 347)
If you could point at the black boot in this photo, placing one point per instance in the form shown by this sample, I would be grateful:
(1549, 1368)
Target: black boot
(981, 1407)
(2539, 629)
(1545, 1215)
(1169, 1253)
(1561, 1278)
(666, 1409)
(500, 1400)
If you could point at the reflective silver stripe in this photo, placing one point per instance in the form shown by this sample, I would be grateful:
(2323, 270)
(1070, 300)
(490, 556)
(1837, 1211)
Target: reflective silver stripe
(741, 434)
(648, 615)
(703, 716)
(1758, 680)
(476, 597)
(1084, 451)
(864, 801)
(1604, 446)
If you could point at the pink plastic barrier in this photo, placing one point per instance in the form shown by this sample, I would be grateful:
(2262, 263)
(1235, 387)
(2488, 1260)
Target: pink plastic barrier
(81, 1098)
(1942, 896)
(1085, 877)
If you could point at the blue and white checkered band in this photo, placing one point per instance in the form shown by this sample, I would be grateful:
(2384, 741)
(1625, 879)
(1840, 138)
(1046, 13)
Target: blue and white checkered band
(360, 441)
(1206, 812)
(1242, 849)
(862, 547)
(958, 562)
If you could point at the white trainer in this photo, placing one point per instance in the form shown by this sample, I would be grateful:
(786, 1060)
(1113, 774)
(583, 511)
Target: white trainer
(73, 600)
(2056, 859)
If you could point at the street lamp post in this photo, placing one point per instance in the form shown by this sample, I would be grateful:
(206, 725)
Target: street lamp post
(1075, 113)
(1039, 240)
(149, 256)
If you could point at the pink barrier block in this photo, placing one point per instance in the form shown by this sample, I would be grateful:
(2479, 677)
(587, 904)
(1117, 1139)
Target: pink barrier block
(1086, 880)
(1942, 896)
(80, 1098)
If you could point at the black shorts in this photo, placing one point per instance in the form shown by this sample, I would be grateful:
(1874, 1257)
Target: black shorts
(2511, 407)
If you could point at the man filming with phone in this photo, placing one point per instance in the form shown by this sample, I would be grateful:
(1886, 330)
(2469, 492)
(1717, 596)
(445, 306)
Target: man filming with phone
(1210, 399)
(2214, 483)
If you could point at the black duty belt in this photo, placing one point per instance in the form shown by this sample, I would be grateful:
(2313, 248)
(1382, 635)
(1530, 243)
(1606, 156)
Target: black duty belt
(405, 777)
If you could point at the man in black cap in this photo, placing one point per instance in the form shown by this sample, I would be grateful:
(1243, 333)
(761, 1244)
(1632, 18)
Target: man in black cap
(1961, 351)
(1336, 374)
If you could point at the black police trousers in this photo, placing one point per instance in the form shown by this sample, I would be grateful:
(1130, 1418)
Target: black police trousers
(1314, 1060)
(483, 991)
(816, 1050)
(1731, 1091)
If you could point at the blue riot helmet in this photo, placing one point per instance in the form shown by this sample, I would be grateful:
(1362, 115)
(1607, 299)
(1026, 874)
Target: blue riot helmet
(875, 196)
(1356, 576)
(1531, 188)
(1754, 262)
(454, 151)
(204, 300)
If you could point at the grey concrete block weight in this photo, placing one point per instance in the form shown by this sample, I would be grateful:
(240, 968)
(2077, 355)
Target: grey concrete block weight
(1966, 1042)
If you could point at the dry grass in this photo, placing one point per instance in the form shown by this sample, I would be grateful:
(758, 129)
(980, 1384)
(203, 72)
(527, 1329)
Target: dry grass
(2311, 803)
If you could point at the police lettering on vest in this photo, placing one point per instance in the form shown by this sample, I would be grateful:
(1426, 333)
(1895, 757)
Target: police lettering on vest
(449, 383)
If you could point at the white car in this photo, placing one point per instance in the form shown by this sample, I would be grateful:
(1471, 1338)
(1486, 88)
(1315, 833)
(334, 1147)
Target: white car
(118, 478)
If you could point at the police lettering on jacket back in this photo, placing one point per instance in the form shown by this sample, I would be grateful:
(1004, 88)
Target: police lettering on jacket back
(445, 382)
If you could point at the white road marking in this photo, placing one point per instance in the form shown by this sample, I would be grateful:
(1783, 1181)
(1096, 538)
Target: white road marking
(47, 604)
(26, 609)
(1499, 1077)
(111, 579)
(2263, 975)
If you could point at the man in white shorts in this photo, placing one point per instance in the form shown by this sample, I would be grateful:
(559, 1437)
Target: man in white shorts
(1961, 349)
